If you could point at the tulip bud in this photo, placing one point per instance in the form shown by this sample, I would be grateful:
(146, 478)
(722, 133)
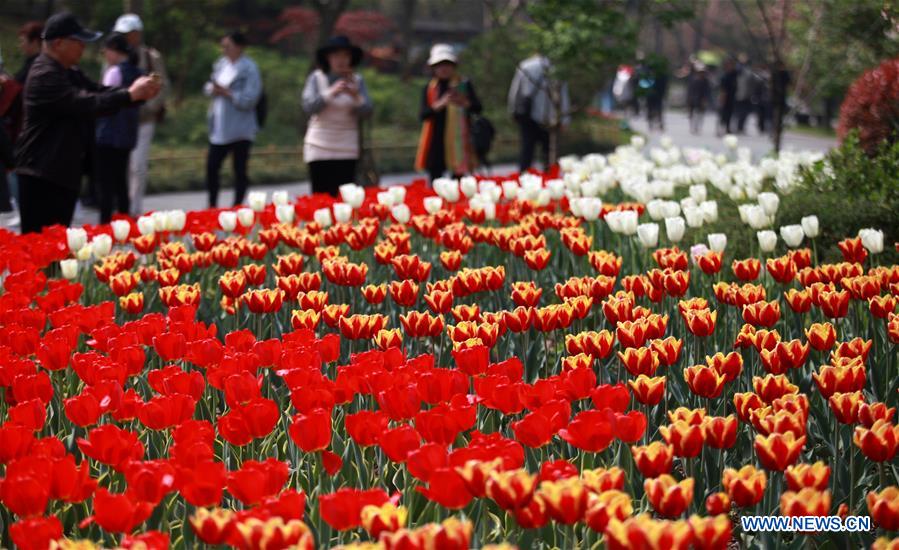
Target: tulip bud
(76, 237)
(590, 208)
(756, 217)
(256, 201)
(84, 254)
(447, 188)
(731, 141)
(698, 192)
(69, 268)
(675, 228)
(284, 213)
(227, 220)
(769, 201)
(246, 216)
(322, 217)
(146, 225)
(810, 226)
(401, 213)
(637, 142)
(648, 233)
(343, 212)
(556, 188)
(717, 242)
(510, 189)
(101, 245)
(176, 220)
(468, 185)
(398, 192)
(767, 240)
(280, 197)
(693, 215)
(432, 204)
(792, 235)
(160, 220)
(709, 211)
(120, 229)
(872, 239)
(385, 198)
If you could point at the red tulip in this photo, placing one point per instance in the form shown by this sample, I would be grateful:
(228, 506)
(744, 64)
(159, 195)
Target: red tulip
(257, 480)
(342, 509)
(311, 432)
(119, 513)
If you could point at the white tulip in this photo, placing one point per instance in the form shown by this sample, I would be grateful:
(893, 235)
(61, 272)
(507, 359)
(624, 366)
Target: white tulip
(637, 142)
(385, 198)
(468, 185)
(146, 225)
(810, 226)
(698, 250)
(322, 217)
(556, 188)
(69, 268)
(717, 242)
(120, 229)
(227, 220)
(648, 233)
(84, 254)
(256, 201)
(343, 212)
(352, 194)
(590, 208)
(433, 204)
(655, 209)
(246, 216)
(447, 188)
(280, 198)
(756, 217)
(490, 211)
(101, 245)
(675, 228)
(510, 189)
(731, 141)
(767, 240)
(284, 213)
(769, 201)
(542, 197)
(666, 142)
(177, 219)
(694, 217)
(709, 211)
(398, 192)
(76, 238)
(698, 192)
(792, 235)
(160, 220)
(401, 213)
(872, 239)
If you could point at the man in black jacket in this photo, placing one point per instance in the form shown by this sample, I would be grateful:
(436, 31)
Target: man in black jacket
(58, 100)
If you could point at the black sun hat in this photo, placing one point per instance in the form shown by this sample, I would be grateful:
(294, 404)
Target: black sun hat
(338, 43)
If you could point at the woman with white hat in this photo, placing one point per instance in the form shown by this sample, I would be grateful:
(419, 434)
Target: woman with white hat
(447, 103)
(336, 98)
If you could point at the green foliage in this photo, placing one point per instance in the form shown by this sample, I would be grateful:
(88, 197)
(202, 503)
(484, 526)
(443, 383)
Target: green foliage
(849, 191)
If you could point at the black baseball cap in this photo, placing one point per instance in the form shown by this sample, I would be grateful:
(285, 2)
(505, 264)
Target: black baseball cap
(64, 25)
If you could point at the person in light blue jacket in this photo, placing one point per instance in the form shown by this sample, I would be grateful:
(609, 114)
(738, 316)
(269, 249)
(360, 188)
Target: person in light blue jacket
(235, 88)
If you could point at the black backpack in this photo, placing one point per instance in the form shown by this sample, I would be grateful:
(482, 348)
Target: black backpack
(482, 134)
(261, 109)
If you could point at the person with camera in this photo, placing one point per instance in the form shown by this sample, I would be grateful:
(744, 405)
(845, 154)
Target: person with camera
(447, 103)
(336, 99)
(59, 103)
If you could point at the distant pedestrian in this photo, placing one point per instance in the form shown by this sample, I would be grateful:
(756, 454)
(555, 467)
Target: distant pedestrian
(743, 95)
(447, 103)
(235, 87)
(336, 98)
(727, 91)
(59, 100)
(761, 96)
(116, 134)
(699, 94)
(657, 88)
(153, 112)
(535, 109)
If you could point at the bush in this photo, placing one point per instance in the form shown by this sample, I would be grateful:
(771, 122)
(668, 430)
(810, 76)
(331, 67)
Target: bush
(848, 191)
(872, 107)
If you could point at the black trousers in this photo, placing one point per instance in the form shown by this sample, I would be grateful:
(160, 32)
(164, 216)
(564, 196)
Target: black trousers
(328, 175)
(111, 173)
(532, 134)
(5, 203)
(44, 203)
(240, 156)
(743, 107)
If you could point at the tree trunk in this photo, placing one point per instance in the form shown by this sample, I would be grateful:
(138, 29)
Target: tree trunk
(406, 18)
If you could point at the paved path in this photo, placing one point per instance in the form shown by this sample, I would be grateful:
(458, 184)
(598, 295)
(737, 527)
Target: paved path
(677, 127)
(197, 200)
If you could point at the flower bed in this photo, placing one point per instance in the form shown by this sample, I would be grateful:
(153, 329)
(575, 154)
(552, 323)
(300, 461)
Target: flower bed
(513, 361)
